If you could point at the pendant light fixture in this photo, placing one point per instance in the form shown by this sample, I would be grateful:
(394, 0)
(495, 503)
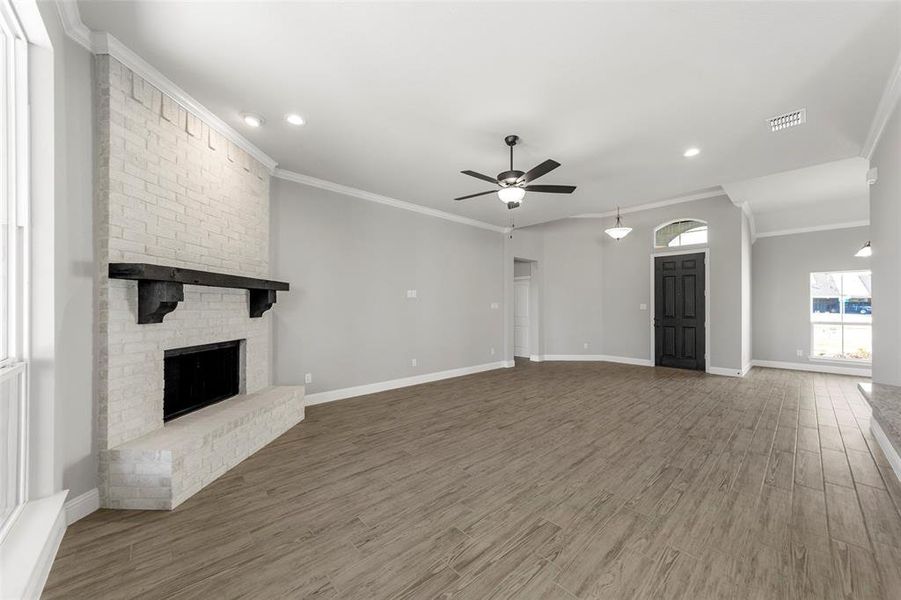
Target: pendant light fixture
(864, 251)
(618, 232)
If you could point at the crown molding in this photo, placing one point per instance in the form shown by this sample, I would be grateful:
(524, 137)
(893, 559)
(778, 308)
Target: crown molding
(73, 25)
(100, 42)
(378, 198)
(887, 102)
(745, 207)
(846, 225)
(711, 193)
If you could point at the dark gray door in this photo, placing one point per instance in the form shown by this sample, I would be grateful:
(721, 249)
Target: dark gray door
(679, 308)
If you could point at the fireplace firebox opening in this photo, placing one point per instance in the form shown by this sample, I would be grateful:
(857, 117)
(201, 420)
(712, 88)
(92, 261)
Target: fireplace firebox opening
(198, 376)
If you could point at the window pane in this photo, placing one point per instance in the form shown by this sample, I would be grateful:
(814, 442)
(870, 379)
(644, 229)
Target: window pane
(827, 341)
(698, 235)
(6, 205)
(826, 309)
(680, 233)
(858, 342)
(856, 284)
(9, 446)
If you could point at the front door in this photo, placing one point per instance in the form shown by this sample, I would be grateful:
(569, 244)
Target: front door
(679, 309)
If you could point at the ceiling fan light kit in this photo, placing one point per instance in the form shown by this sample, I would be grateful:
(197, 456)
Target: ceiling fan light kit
(514, 184)
(511, 194)
(618, 231)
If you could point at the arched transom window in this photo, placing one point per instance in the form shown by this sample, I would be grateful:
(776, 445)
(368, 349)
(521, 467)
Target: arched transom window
(684, 232)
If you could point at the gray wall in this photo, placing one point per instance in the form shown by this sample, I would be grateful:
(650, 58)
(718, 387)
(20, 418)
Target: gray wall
(347, 320)
(627, 268)
(592, 285)
(73, 366)
(885, 222)
(571, 287)
(781, 286)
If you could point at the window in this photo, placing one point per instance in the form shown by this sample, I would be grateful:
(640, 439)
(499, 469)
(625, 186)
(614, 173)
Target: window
(13, 266)
(684, 232)
(841, 315)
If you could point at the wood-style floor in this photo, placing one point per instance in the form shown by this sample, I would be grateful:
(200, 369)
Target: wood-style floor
(550, 480)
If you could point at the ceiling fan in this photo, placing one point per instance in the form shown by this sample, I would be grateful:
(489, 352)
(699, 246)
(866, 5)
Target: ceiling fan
(514, 184)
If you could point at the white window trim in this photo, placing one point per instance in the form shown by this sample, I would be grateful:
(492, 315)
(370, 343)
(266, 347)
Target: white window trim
(831, 359)
(32, 539)
(16, 169)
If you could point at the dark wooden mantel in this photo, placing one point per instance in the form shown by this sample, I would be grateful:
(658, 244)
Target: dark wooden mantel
(161, 288)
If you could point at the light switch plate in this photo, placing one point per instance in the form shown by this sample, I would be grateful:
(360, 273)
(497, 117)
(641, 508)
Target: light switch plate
(642, 306)
(308, 378)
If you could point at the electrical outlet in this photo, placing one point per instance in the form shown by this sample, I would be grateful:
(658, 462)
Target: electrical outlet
(411, 293)
(585, 345)
(800, 353)
(308, 378)
(642, 306)
(413, 363)
(495, 305)
(492, 352)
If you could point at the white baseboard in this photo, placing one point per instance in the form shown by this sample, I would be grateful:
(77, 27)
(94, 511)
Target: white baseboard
(890, 454)
(535, 358)
(626, 360)
(81, 506)
(392, 384)
(813, 367)
(29, 548)
(726, 372)
(746, 369)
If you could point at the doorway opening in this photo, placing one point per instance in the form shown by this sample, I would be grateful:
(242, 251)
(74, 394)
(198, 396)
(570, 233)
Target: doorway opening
(525, 310)
(680, 336)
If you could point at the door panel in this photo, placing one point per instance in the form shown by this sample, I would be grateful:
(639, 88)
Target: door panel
(669, 340)
(679, 306)
(669, 296)
(689, 287)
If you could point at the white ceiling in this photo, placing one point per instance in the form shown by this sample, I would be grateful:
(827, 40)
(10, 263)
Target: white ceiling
(824, 194)
(400, 97)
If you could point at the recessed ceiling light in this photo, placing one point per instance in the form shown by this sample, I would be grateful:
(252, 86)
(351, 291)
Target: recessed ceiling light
(294, 119)
(691, 152)
(252, 120)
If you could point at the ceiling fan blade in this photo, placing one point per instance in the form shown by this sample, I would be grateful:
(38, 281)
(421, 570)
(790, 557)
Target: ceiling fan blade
(474, 195)
(480, 176)
(536, 172)
(551, 189)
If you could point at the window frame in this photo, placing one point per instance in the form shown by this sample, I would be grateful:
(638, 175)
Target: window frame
(679, 220)
(842, 359)
(15, 181)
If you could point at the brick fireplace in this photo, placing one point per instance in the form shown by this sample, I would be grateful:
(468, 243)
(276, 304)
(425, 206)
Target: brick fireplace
(171, 190)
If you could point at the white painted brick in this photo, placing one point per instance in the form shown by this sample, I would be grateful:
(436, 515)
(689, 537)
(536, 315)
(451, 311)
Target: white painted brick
(169, 190)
